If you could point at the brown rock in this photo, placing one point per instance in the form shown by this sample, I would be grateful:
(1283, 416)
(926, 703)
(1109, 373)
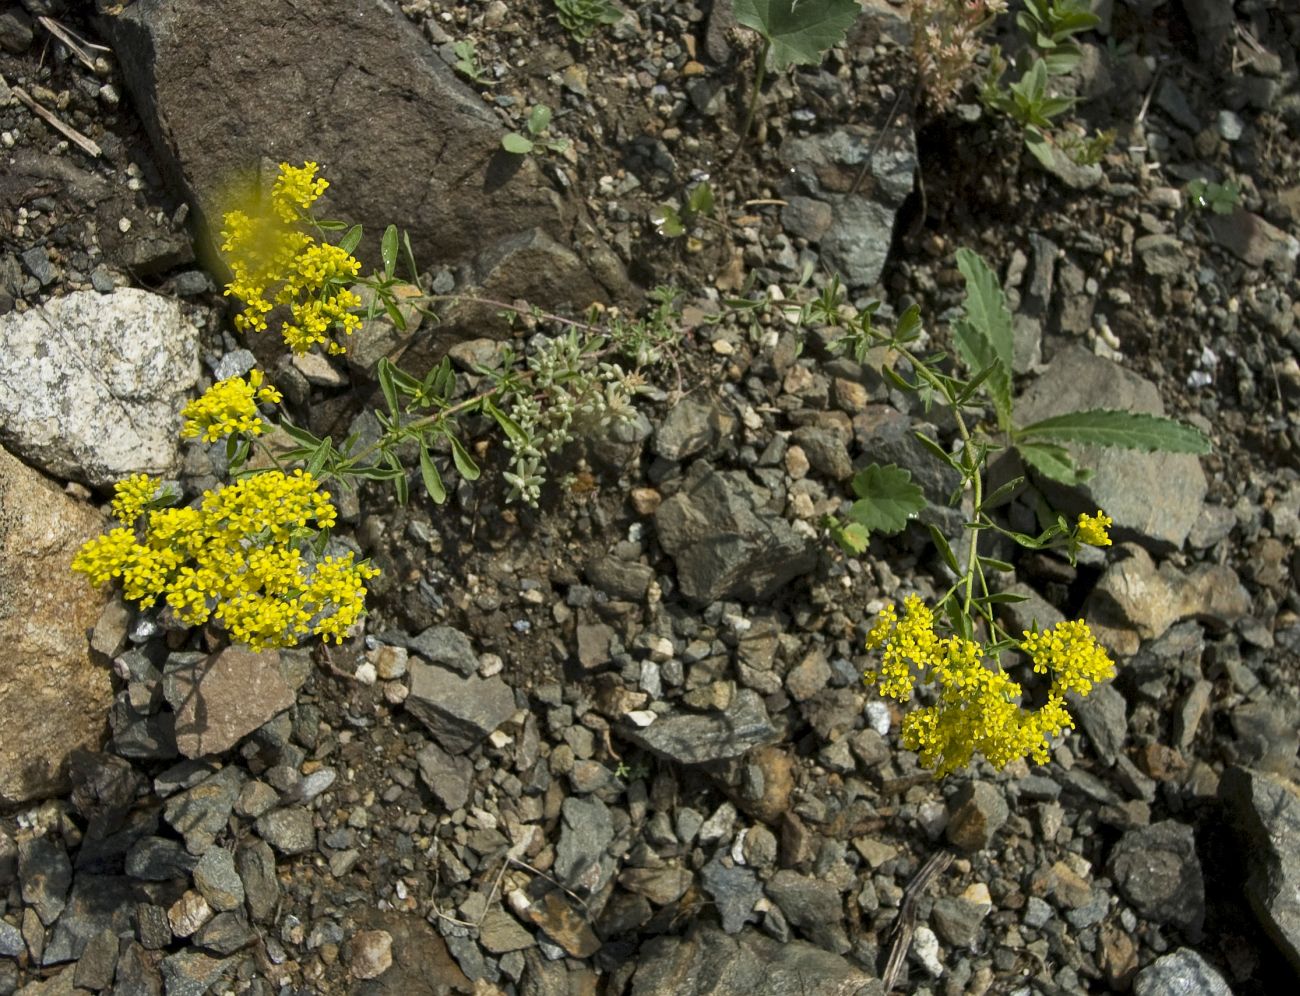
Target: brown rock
(226, 697)
(564, 925)
(406, 142)
(53, 697)
(369, 953)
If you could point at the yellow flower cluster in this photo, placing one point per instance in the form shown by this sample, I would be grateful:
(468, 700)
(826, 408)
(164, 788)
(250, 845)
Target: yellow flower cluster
(238, 557)
(227, 407)
(273, 263)
(978, 707)
(1092, 529)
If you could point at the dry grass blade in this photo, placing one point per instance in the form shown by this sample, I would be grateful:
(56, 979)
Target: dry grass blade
(67, 131)
(906, 921)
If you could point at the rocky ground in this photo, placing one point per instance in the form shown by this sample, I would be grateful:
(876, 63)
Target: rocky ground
(621, 744)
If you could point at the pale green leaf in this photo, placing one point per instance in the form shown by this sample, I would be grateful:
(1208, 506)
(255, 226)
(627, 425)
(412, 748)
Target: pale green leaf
(1051, 461)
(1129, 430)
(798, 31)
(516, 144)
(985, 338)
(432, 479)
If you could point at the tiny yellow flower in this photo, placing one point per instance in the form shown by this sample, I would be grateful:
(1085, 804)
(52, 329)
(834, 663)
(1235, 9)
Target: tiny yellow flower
(227, 407)
(132, 496)
(1092, 529)
(296, 189)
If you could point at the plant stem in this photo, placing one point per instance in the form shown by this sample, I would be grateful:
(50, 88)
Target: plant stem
(759, 73)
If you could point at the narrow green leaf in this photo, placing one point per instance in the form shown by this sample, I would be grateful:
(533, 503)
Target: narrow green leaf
(938, 451)
(997, 565)
(432, 479)
(385, 373)
(377, 473)
(909, 325)
(318, 459)
(465, 465)
(400, 485)
(991, 501)
(331, 226)
(388, 249)
(897, 379)
(350, 241)
(405, 382)
(887, 498)
(985, 337)
(1005, 598)
(945, 550)
(1129, 430)
(299, 435)
(508, 425)
(700, 199)
(395, 314)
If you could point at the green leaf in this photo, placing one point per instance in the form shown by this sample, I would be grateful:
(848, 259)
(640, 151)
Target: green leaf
(388, 250)
(318, 459)
(539, 119)
(700, 199)
(395, 315)
(985, 338)
(301, 436)
(400, 485)
(1053, 462)
(909, 325)
(385, 373)
(887, 498)
(945, 549)
(508, 425)
(350, 241)
(852, 537)
(432, 479)
(938, 451)
(798, 31)
(1040, 148)
(1005, 598)
(1129, 430)
(996, 565)
(516, 144)
(465, 465)
(667, 221)
(991, 501)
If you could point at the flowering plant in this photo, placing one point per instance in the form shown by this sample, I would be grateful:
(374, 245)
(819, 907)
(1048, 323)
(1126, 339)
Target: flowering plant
(976, 706)
(252, 555)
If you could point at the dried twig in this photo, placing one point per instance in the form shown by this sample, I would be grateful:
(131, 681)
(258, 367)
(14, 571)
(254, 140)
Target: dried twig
(906, 922)
(82, 142)
(77, 46)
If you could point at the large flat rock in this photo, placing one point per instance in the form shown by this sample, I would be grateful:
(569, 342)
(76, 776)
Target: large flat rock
(1154, 498)
(53, 697)
(228, 87)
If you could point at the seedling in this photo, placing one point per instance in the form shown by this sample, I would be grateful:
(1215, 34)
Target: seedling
(1221, 198)
(467, 64)
(539, 120)
(672, 221)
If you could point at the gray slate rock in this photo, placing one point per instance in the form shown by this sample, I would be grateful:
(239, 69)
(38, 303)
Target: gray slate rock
(734, 890)
(289, 830)
(11, 940)
(366, 69)
(447, 775)
(446, 646)
(1266, 812)
(688, 428)
(976, 812)
(158, 859)
(1103, 715)
(708, 962)
(826, 166)
(459, 711)
(216, 878)
(580, 858)
(191, 973)
(1157, 870)
(97, 903)
(91, 385)
(1153, 497)
(46, 875)
(1180, 973)
(255, 862)
(697, 738)
(813, 905)
(200, 813)
(726, 540)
